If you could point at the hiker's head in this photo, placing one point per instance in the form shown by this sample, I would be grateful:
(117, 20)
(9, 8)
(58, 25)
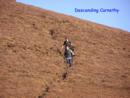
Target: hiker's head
(66, 38)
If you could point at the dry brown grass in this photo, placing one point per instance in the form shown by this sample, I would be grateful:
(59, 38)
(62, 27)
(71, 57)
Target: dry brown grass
(32, 66)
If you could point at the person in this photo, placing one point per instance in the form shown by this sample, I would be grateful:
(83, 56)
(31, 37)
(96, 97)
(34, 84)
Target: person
(69, 56)
(68, 51)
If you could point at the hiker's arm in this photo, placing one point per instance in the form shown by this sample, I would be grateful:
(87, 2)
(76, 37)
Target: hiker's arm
(71, 51)
(63, 45)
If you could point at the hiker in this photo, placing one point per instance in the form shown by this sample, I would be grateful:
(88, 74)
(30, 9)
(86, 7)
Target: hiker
(69, 55)
(68, 51)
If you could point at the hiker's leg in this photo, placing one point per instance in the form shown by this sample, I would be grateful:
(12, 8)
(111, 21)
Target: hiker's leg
(70, 62)
(67, 61)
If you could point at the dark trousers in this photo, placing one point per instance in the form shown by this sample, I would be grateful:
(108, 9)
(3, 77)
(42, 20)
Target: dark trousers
(69, 61)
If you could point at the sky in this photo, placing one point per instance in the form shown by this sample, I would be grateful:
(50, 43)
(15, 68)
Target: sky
(119, 20)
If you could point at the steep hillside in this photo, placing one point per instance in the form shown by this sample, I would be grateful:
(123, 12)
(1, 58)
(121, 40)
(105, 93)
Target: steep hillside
(31, 57)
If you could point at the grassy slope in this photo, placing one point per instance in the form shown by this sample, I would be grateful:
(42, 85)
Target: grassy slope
(31, 64)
